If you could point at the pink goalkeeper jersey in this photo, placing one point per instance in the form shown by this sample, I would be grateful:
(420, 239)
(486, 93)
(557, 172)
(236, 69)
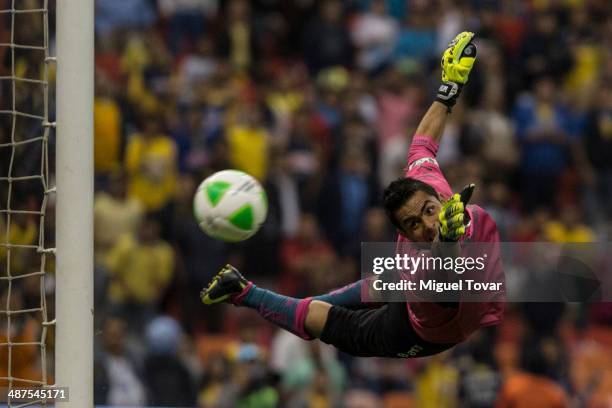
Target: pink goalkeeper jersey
(431, 321)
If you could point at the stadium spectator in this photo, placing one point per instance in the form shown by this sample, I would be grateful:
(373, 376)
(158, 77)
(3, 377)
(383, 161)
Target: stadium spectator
(374, 229)
(122, 377)
(115, 214)
(498, 203)
(417, 37)
(146, 64)
(569, 228)
(345, 196)
(217, 390)
(597, 142)
(399, 104)
(303, 254)
(313, 379)
(113, 15)
(187, 20)
(252, 379)
(196, 68)
(236, 42)
(479, 379)
(304, 157)
(532, 387)
(140, 269)
(437, 385)
(544, 130)
(108, 131)
(150, 161)
(544, 51)
(248, 140)
(374, 33)
(326, 39)
(169, 383)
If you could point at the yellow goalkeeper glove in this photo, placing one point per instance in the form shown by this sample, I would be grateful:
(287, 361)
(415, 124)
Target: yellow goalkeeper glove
(452, 215)
(457, 62)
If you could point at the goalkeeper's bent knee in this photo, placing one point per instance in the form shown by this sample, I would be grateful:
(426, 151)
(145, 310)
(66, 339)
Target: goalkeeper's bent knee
(316, 317)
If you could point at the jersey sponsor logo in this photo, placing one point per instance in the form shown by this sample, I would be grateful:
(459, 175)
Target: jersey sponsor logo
(413, 352)
(422, 161)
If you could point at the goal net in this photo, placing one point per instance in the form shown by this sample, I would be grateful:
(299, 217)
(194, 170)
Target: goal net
(26, 197)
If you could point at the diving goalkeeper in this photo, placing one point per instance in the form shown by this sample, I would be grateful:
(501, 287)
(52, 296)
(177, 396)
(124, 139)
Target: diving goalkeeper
(424, 210)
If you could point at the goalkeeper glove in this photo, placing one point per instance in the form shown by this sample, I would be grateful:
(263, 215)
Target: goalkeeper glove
(452, 215)
(457, 62)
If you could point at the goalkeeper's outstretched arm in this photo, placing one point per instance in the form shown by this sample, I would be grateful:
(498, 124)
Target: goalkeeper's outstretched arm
(433, 122)
(457, 62)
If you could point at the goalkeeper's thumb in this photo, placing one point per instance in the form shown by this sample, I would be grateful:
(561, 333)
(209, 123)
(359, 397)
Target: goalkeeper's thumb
(466, 193)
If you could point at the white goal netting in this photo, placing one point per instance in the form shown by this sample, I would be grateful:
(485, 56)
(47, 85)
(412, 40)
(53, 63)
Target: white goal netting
(26, 196)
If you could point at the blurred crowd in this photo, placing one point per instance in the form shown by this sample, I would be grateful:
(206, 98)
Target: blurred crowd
(318, 100)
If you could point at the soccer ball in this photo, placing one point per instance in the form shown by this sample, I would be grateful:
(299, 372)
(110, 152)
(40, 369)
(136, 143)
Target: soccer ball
(230, 205)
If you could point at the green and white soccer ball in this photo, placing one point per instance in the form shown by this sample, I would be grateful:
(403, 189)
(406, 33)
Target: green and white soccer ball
(230, 205)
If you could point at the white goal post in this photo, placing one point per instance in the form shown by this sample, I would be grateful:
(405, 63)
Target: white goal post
(74, 211)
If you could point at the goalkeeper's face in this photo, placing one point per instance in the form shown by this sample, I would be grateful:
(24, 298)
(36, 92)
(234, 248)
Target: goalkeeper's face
(418, 217)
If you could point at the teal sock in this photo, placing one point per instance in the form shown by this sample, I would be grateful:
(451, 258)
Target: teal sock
(348, 296)
(286, 312)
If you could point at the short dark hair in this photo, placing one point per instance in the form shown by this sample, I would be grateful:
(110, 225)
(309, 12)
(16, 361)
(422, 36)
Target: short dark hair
(399, 191)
